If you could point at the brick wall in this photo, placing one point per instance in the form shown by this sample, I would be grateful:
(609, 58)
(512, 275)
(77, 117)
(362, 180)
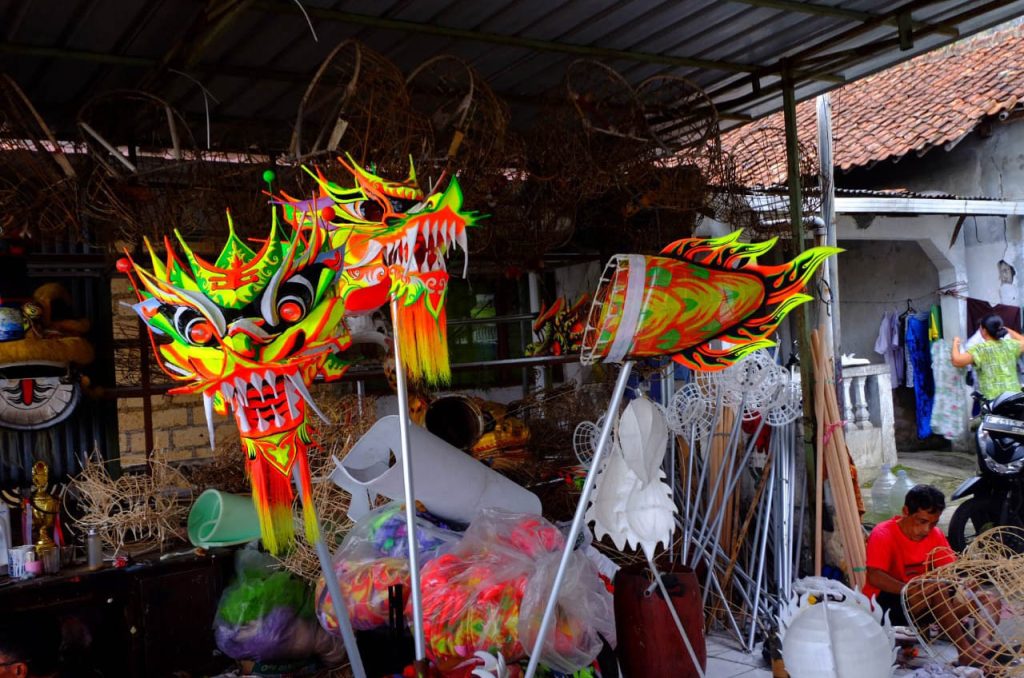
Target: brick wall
(179, 424)
(179, 429)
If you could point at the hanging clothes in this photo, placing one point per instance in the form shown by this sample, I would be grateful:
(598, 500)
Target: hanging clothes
(888, 346)
(919, 352)
(948, 417)
(977, 309)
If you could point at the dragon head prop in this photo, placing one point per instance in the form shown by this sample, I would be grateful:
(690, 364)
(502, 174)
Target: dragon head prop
(397, 238)
(249, 331)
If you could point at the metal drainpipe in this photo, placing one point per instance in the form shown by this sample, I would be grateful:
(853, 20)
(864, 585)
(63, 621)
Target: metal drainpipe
(801, 321)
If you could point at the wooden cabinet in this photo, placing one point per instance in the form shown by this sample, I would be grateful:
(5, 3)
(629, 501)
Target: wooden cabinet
(151, 619)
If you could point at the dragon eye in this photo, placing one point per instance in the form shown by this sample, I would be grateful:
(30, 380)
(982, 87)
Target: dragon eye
(291, 310)
(295, 296)
(200, 332)
(195, 328)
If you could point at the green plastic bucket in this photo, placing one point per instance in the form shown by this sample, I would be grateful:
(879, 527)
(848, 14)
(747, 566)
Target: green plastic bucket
(221, 519)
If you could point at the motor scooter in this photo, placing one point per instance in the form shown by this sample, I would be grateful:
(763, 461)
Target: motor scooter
(997, 492)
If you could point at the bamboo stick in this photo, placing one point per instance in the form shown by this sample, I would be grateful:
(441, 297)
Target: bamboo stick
(837, 463)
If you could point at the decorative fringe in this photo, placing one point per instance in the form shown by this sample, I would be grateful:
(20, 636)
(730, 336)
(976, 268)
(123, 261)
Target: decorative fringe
(423, 340)
(308, 508)
(272, 495)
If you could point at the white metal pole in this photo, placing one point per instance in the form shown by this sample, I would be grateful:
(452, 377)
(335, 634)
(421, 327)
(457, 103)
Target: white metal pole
(675, 617)
(410, 493)
(331, 580)
(579, 517)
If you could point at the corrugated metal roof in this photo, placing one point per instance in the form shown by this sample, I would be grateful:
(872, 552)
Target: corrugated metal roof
(257, 56)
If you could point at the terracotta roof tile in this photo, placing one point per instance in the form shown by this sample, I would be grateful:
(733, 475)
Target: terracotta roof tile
(928, 101)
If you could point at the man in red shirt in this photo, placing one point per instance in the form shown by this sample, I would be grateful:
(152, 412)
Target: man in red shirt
(905, 547)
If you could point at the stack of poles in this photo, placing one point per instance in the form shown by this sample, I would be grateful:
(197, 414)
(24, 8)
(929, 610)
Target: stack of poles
(710, 474)
(834, 456)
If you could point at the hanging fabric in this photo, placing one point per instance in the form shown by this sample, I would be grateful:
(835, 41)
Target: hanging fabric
(888, 346)
(919, 354)
(977, 309)
(948, 417)
(908, 379)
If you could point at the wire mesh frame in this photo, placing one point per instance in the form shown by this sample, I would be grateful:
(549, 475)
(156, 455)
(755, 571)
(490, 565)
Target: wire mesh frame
(683, 120)
(357, 103)
(153, 149)
(39, 185)
(467, 119)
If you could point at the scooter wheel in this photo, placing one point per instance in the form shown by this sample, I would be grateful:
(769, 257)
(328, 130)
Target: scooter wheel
(971, 518)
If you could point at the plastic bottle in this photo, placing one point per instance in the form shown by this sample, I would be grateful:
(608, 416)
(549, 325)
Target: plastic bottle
(881, 490)
(6, 541)
(94, 550)
(899, 492)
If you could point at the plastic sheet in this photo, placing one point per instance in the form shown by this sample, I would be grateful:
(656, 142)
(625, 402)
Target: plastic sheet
(267, 615)
(488, 594)
(371, 560)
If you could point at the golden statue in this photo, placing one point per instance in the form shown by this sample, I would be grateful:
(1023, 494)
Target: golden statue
(45, 506)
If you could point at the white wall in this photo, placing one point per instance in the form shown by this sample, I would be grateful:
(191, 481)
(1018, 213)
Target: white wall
(931, 234)
(991, 167)
(876, 276)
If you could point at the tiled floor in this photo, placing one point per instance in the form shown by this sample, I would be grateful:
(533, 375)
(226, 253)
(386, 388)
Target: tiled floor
(726, 661)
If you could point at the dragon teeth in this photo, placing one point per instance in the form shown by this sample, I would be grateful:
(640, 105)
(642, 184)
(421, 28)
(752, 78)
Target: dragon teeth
(208, 409)
(300, 387)
(270, 378)
(463, 244)
(410, 238)
(278, 420)
(257, 383)
(291, 396)
(243, 421)
(228, 391)
(262, 424)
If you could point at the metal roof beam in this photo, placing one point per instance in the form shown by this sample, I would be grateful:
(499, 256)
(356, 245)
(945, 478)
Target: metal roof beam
(185, 54)
(148, 62)
(75, 55)
(288, 7)
(839, 13)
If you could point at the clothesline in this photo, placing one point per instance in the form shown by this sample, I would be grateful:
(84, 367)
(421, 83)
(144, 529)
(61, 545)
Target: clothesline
(891, 302)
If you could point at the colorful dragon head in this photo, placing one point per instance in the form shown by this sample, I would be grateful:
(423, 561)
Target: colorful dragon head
(249, 331)
(397, 239)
